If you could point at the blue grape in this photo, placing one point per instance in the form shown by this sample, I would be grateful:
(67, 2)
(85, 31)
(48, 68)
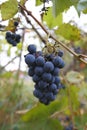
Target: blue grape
(48, 66)
(30, 59)
(16, 23)
(42, 84)
(60, 53)
(52, 87)
(44, 100)
(32, 48)
(50, 96)
(36, 78)
(57, 80)
(47, 77)
(8, 34)
(58, 62)
(12, 38)
(49, 57)
(40, 61)
(31, 71)
(56, 71)
(37, 93)
(38, 70)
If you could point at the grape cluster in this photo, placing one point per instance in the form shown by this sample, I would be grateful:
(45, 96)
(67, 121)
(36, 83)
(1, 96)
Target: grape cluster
(13, 38)
(70, 127)
(44, 70)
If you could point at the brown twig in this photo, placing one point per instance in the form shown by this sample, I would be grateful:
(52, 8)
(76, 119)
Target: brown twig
(28, 21)
(51, 36)
(9, 62)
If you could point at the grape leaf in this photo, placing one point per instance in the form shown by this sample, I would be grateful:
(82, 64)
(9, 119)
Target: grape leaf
(39, 117)
(61, 5)
(69, 32)
(38, 2)
(74, 77)
(22, 2)
(51, 21)
(9, 9)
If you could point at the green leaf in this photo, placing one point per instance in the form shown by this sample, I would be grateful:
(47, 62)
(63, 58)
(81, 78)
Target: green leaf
(19, 46)
(38, 2)
(51, 20)
(69, 32)
(22, 2)
(61, 5)
(74, 77)
(38, 118)
(9, 51)
(9, 9)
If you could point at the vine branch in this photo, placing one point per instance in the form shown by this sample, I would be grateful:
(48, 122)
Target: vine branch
(78, 56)
(9, 62)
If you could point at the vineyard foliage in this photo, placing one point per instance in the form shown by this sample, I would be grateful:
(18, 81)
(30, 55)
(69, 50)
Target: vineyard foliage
(19, 109)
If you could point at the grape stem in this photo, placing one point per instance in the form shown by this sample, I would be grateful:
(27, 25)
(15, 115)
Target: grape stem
(78, 56)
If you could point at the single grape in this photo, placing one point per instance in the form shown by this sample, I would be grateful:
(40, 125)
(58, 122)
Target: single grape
(58, 62)
(17, 38)
(50, 96)
(36, 78)
(8, 34)
(52, 87)
(42, 84)
(60, 53)
(30, 60)
(32, 48)
(31, 71)
(48, 66)
(57, 80)
(16, 23)
(37, 93)
(44, 101)
(56, 71)
(39, 70)
(40, 61)
(47, 77)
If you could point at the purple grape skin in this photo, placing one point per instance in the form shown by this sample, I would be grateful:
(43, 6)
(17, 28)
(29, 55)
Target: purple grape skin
(52, 87)
(42, 84)
(47, 77)
(32, 48)
(40, 61)
(57, 80)
(56, 71)
(30, 59)
(48, 66)
(31, 71)
(36, 78)
(50, 96)
(37, 93)
(16, 23)
(38, 70)
(58, 62)
(60, 53)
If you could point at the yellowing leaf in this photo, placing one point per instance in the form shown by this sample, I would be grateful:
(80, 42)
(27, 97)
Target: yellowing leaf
(9, 9)
(74, 77)
(69, 32)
